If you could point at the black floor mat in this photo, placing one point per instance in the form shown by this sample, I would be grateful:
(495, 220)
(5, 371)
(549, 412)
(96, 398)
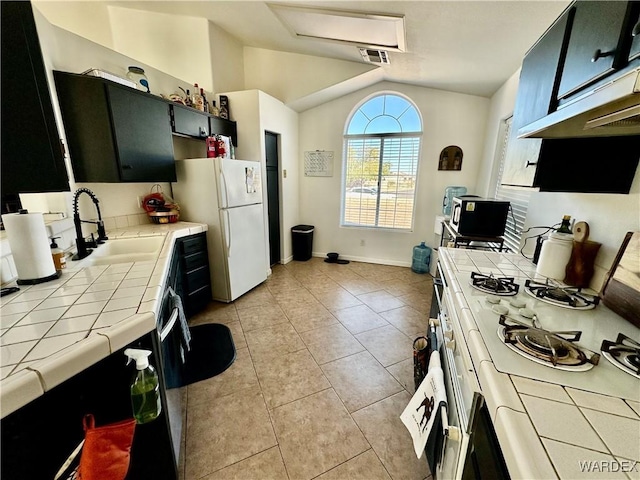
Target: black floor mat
(212, 352)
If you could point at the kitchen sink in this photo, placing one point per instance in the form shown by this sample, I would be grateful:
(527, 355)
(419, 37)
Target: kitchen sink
(124, 250)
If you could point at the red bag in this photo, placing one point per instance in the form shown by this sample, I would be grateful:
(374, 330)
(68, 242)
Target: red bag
(107, 450)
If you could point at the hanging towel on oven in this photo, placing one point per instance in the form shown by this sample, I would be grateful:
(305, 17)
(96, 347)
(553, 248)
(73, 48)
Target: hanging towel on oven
(423, 416)
(185, 338)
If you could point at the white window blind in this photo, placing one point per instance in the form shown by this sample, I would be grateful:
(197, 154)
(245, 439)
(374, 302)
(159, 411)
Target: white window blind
(382, 149)
(519, 199)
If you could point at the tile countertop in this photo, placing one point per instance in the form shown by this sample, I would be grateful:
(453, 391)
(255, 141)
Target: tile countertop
(546, 430)
(51, 331)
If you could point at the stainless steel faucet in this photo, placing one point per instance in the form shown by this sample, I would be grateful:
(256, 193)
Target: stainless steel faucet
(82, 243)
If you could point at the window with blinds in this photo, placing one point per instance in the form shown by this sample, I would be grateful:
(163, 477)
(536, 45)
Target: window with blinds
(519, 198)
(382, 148)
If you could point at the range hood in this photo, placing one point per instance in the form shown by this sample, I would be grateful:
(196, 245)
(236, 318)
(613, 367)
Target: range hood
(608, 110)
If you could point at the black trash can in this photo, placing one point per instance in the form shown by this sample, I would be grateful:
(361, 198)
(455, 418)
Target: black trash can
(302, 242)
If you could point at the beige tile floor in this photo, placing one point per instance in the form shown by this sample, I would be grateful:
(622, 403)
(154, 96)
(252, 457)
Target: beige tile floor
(322, 373)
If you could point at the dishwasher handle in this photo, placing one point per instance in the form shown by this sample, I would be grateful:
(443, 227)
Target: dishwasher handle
(169, 325)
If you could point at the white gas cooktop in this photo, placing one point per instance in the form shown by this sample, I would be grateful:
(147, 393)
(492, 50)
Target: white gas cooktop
(596, 325)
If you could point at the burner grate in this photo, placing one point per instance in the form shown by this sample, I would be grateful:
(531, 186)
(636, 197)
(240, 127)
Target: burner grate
(553, 349)
(624, 353)
(568, 297)
(495, 285)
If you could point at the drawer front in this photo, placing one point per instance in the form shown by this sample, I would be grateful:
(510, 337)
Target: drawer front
(199, 299)
(194, 244)
(196, 279)
(194, 261)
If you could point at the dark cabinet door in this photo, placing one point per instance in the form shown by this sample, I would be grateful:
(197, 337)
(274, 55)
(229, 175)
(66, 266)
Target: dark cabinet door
(635, 32)
(187, 121)
(594, 43)
(142, 134)
(32, 158)
(535, 99)
(115, 134)
(222, 126)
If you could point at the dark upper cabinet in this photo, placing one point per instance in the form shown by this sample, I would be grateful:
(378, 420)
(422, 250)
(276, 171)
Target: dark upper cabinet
(115, 133)
(597, 43)
(536, 98)
(222, 126)
(187, 121)
(32, 156)
(635, 33)
(193, 123)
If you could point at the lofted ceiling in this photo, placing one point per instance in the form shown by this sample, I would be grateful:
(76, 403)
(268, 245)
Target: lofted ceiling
(468, 47)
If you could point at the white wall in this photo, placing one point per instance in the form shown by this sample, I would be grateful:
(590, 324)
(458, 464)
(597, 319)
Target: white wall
(227, 61)
(609, 216)
(449, 119)
(291, 76)
(257, 112)
(87, 19)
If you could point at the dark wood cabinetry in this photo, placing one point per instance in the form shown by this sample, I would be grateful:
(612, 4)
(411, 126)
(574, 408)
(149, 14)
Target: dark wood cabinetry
(193, 123)
(115, 133)
(190, 122)
(38, 438)
(192, 278)
(537, 90)
(596, 44)
(587, 165)
(32, 154)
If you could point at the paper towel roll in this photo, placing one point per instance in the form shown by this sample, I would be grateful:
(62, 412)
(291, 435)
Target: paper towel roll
(29, 244)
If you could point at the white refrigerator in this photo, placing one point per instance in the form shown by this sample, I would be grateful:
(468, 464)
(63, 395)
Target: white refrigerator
(226, 195)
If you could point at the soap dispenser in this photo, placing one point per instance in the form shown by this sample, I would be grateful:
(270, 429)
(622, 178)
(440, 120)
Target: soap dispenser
(58, 255)
(145, 390)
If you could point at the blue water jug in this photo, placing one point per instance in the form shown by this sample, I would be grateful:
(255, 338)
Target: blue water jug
(421, 258)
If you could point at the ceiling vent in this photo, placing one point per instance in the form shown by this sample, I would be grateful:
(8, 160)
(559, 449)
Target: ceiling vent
(377, 57)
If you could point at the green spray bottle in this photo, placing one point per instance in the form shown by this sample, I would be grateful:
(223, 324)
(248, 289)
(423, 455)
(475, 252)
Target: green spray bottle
(145, 390)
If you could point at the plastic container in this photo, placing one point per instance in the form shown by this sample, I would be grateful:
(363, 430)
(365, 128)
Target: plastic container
(145, 390)
(302, 242)
(421, 258)
(447, 200)
(57, 254)
(136, 74)
(555, 255)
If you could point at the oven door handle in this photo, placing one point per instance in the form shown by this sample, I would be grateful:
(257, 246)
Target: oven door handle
(170, 324)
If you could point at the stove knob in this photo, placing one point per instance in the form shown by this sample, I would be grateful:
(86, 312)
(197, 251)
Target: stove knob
(448, 334)
(451, 345)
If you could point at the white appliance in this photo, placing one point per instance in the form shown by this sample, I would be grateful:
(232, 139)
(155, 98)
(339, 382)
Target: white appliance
(226, 195)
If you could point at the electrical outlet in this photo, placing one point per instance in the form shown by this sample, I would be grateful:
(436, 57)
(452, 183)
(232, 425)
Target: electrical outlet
(362, 243)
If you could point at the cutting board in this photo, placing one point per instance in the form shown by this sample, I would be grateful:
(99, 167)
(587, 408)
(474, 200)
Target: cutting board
(621, 290)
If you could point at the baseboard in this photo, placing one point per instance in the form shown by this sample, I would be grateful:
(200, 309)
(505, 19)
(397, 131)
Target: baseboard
(378, 261)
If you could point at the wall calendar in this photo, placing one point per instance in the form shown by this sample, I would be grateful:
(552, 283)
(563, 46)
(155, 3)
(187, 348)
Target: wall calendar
(318, 163)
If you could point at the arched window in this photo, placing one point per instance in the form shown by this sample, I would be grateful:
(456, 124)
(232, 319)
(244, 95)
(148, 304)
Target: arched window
(381, 152)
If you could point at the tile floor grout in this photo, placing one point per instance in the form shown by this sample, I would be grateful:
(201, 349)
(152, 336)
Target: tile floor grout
(263, 295)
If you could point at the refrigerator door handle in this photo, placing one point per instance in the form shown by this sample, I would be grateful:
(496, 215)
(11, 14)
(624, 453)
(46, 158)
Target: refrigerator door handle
(227, 232)
(224, 186)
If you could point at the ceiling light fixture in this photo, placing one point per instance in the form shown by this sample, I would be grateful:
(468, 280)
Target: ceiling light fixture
(372, 30)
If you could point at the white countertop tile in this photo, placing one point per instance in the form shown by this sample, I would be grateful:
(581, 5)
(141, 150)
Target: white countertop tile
(38, 316)
(502, 392)
(48, 346)
(84, 309)
(523, 452)
(57, 302)
(71, 325)
(541, 389)
(122, 303)
(563, 422)
(19, 334)
(620, 434)
(603, 403)
(576, 462)
(15, 353)
(107, 319)
(63, 326)
(634, 405)
(18, 390)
